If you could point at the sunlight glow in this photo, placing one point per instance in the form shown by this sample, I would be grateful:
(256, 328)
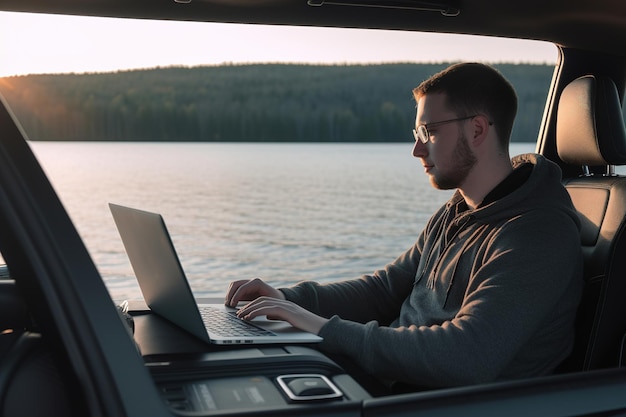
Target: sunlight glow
(36, 43)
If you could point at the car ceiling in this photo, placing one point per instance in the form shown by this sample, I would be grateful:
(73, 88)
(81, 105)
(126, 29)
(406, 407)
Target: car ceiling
(596, 25)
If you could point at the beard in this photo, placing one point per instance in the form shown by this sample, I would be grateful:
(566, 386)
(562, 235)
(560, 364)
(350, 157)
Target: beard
(463, 159)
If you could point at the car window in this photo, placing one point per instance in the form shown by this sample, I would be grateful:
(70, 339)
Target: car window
(275, 152)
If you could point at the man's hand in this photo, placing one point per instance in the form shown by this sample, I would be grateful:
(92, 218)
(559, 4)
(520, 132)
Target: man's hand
(248, 290)
(270, 302)
(279, 309)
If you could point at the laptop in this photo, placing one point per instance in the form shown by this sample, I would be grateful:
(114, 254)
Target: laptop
(167, 292)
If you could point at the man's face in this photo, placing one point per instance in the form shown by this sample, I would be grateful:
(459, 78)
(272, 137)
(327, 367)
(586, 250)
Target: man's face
(447, 156)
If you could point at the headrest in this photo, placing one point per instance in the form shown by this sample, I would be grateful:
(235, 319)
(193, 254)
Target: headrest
(590, 125)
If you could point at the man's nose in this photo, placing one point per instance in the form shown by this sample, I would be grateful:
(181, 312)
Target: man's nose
(419, 149)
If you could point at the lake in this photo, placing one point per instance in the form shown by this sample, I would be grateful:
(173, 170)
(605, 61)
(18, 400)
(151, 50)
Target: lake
(285, 212)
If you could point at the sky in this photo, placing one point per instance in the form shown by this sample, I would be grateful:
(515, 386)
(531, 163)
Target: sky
(31, 43)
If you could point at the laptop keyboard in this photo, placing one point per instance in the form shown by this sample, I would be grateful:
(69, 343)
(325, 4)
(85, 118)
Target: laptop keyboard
(228, 324)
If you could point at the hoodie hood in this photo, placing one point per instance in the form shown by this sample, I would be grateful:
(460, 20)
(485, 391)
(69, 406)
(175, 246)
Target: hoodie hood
(541, 191)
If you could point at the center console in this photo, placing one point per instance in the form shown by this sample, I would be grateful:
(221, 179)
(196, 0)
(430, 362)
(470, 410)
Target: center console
(201, 379)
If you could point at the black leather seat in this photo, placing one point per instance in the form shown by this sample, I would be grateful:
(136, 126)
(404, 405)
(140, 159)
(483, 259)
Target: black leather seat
(32, 380)
(590, 133)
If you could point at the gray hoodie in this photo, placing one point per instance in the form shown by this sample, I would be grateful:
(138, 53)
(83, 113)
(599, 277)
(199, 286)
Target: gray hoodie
(483, 294)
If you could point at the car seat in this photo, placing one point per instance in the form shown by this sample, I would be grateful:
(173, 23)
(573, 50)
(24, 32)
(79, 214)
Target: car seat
(31, 379)
(590, 133)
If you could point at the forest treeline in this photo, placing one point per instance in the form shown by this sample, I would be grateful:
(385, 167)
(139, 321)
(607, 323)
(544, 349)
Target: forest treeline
(255, 102)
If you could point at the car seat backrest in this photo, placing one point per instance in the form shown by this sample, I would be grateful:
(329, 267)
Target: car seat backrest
(590, 133)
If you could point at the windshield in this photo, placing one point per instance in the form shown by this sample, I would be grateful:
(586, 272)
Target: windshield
(280, 152)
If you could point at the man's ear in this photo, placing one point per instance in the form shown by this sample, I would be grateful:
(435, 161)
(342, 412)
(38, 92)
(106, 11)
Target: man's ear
(480, 128)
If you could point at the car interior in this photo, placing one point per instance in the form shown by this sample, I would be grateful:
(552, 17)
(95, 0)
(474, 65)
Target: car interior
(65, 349)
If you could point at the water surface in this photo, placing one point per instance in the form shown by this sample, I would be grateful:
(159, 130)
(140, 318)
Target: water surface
(285, 212)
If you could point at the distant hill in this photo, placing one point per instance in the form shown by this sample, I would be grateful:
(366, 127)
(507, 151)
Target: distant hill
(256, 102)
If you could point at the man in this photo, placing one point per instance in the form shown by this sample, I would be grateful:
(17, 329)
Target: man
(490, 289)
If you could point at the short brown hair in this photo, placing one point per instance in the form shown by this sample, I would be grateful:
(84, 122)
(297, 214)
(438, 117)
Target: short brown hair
(473, 88)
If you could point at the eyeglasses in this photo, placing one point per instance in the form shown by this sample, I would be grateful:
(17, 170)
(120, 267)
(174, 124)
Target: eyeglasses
(422, 133)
